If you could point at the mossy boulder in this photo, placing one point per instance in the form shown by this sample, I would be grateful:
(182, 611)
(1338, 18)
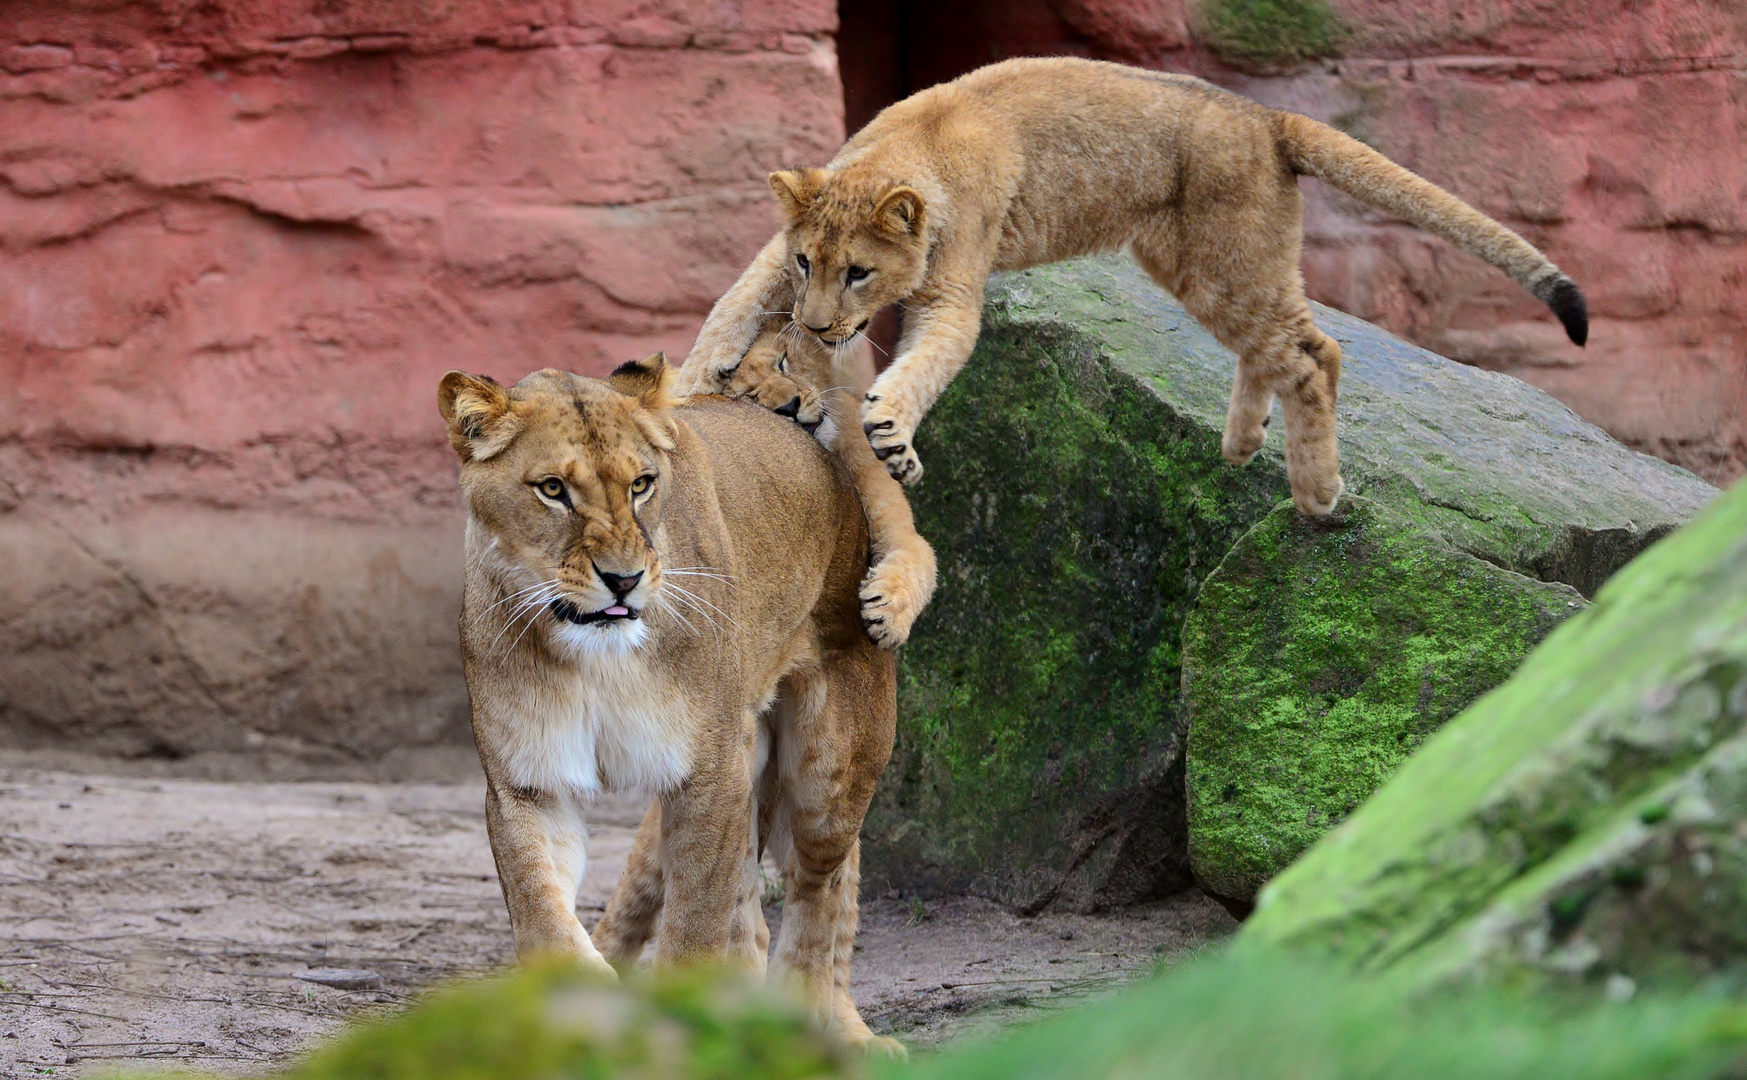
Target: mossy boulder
(1585, 822)
(1321, 652)
(1077, 500)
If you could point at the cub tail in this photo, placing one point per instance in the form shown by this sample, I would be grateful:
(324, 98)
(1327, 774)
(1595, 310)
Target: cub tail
(1314, 149)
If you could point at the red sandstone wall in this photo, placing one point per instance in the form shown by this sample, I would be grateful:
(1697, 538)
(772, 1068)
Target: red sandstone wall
(240, 240)
(1612, 133)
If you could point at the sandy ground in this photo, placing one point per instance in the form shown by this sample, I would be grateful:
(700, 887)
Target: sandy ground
(166, 920)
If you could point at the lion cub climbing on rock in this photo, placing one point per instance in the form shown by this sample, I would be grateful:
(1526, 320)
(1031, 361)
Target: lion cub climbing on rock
(1036, 160)
(795, 376)
(662, 596)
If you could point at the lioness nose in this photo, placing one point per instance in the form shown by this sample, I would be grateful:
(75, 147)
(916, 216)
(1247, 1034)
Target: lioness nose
(820, 330)
(619, 584)
(792, 409)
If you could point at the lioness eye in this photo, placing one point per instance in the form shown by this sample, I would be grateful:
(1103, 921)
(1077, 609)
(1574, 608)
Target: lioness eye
(642, 484)
(553, 488)
(856, 273)
(801, 261)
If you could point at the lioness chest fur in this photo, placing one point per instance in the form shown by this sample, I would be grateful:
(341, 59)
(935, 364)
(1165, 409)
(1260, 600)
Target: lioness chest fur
(1034, 160)
(661, 596)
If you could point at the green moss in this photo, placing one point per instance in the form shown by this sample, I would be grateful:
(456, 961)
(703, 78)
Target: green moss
(1318, 657)
(1073, 514)
(1269, 1017)
(1272, 31)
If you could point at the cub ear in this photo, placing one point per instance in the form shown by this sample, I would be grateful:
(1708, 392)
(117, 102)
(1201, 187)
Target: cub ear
(477, 410)
(900, 212)
(650, 381)
(796, 189)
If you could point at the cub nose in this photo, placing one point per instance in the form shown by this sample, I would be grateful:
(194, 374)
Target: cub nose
(820, 330)
(792, 409)
(619, 585)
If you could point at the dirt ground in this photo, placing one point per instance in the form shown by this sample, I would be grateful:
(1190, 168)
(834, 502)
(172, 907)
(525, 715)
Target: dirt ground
(166, 919)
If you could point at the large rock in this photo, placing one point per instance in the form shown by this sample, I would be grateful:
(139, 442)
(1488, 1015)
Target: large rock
(1319, 655)
(1077, 499)
(1587, 821)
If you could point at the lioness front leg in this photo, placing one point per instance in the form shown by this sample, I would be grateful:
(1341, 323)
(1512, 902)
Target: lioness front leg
(941, 327)
(735, 320)
(708, 878)
(538, 842)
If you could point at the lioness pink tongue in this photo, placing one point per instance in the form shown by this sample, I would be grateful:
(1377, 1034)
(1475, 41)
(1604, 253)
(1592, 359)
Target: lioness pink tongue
(617, 609)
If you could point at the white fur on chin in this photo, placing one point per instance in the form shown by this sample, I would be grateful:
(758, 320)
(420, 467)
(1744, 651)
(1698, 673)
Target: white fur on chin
(611, 638)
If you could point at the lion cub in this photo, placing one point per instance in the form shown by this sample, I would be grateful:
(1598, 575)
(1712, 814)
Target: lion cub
(796, 377)
(1035, 160)
(650, 606)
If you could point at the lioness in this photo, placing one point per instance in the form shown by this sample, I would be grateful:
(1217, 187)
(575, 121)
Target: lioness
(1035, 160)
(799, 378)
(661, 596)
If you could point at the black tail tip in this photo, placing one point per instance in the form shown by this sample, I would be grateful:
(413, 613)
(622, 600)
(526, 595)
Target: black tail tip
(1567, 303)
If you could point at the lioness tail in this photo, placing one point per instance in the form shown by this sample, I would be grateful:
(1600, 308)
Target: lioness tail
(1318, 150)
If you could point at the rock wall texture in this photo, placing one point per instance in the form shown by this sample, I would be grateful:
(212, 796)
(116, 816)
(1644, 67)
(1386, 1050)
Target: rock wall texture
(1612, 133)
(241, 240)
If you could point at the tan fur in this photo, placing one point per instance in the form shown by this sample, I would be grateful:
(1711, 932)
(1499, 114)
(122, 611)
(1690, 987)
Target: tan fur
(1036, 160)
(743, 694)
(817, 387)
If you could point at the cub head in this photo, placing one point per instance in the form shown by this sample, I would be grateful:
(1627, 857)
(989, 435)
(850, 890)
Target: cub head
(566, 476)
(853, 248)
(790, 374)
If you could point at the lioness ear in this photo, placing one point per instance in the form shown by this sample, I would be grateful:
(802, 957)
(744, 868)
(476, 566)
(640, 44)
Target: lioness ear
(477, 410)
(650, 381)
(900, 211)
(796, 189)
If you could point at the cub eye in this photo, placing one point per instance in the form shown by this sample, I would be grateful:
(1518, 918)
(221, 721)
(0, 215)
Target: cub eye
(642, 484)
(856, 273)
(801, 261)
(782, 363)
(554, 489)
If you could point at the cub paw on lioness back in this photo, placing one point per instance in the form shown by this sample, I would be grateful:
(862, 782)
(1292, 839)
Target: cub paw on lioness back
(794, 376)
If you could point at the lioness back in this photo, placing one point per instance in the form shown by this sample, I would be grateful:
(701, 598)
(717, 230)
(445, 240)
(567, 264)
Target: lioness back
(772, 482)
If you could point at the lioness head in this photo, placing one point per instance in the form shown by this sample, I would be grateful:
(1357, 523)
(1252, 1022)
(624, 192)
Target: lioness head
(565, 474)
(853, 249)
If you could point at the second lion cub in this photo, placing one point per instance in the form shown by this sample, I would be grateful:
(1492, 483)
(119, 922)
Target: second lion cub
(818, 388)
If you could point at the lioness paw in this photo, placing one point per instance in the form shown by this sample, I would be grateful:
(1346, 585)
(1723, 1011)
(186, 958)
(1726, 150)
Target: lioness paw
(894, 593)
(890, 438)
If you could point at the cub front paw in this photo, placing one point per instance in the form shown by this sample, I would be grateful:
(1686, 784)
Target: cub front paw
(891, 439)
(894, 593)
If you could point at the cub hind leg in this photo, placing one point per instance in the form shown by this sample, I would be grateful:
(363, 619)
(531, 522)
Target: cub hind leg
(1248, 292)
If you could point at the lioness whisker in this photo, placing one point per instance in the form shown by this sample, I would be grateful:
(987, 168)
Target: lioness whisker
(665, 602)
(702, 600)
(519, 592)
(534, 603)
(692, 606)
